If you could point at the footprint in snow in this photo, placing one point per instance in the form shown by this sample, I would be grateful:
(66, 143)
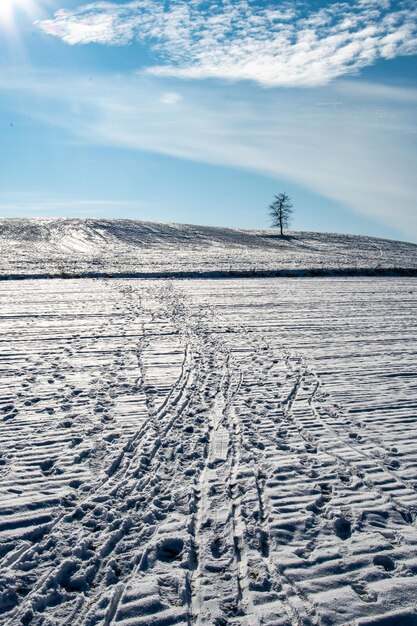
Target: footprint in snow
(353, 435)
(7, 408)
(216, 548)
(343, 528)
(345, 478)
(385, 562)
(170, 549)
(10, 415)
(394, 464)
(46, 465)
(362, 591)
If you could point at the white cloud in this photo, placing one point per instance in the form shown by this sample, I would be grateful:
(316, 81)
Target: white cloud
(240, 40)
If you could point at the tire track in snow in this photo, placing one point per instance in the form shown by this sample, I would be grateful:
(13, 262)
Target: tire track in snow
(145, 585)
(219, 583)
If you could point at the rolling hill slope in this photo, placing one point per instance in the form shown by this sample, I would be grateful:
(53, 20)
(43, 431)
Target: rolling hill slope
(90, 247)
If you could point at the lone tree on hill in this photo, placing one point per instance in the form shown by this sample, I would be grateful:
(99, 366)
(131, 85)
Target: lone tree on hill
(281, 211)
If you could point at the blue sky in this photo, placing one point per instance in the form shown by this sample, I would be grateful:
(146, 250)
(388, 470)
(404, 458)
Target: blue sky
(198, 112)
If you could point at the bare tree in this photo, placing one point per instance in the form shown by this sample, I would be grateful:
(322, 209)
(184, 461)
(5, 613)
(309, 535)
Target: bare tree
(281, 211)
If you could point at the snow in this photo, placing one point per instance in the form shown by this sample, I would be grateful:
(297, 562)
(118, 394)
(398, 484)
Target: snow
(99, 247)
(209, 452)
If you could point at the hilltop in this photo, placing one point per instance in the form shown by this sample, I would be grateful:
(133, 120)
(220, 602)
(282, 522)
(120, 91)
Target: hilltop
(97, 247)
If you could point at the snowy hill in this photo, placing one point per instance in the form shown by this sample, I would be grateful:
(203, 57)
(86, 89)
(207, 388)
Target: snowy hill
(76, 247)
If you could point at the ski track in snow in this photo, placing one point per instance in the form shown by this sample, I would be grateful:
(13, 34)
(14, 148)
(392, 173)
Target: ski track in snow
(208, 452)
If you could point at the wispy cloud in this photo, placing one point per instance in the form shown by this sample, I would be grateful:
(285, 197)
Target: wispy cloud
(171, 97)
(356, 150)
(382, 93)
(241, 39)
(33, 203)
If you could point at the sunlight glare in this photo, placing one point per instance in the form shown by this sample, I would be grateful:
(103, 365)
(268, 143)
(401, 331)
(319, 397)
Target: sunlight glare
(9, 8)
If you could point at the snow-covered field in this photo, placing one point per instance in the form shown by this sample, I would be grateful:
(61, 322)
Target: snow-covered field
(230, 452)
(97, 247)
